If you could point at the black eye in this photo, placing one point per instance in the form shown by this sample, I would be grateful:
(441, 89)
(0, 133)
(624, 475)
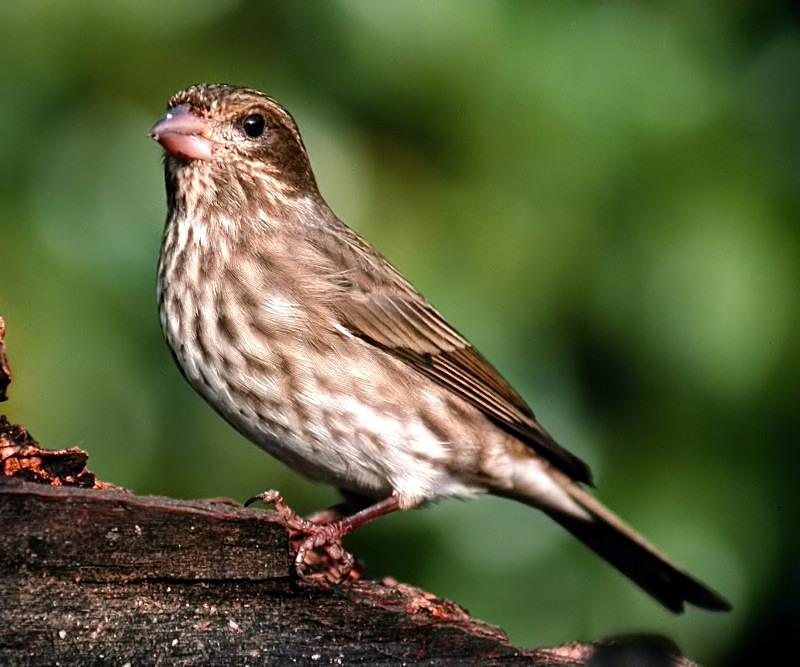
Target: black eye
(253, 125)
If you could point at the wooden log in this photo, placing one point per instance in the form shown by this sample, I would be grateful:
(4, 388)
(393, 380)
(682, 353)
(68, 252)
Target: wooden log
(103, 576)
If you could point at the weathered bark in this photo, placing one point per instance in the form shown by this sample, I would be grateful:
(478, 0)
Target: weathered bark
(104, 576)
(93, 574)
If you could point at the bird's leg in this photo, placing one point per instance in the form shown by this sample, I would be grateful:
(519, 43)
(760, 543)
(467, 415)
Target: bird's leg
(386, 506)
(327, 535)
(351, 504)
(330, 535)
(328, 515)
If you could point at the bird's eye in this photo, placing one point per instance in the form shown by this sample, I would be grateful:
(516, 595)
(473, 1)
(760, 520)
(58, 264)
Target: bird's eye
(253, 125)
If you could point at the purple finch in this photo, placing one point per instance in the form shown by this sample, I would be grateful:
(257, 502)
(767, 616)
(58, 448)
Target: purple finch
(312, 345)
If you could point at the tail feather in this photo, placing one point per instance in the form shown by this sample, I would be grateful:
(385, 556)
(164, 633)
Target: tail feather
(613, 540)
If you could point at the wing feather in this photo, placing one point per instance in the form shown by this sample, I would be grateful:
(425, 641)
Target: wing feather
(379, 305)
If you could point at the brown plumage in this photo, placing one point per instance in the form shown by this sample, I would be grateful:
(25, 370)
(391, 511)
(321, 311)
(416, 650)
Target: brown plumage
(317, 349)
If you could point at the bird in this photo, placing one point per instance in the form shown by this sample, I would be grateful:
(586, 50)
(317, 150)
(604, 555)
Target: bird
(312, 345)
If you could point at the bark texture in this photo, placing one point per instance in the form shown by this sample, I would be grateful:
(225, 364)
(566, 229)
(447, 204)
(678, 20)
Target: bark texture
(103, 576)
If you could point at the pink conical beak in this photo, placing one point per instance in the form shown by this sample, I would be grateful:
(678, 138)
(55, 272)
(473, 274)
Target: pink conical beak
(184, 134)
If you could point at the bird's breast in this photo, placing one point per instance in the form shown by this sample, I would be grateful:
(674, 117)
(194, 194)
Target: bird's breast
(257, 342)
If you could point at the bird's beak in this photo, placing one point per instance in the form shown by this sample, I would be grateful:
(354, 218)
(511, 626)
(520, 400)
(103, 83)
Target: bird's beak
(183, 134)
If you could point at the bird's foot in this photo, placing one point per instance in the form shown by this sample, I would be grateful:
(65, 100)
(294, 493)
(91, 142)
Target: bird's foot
(317, 541)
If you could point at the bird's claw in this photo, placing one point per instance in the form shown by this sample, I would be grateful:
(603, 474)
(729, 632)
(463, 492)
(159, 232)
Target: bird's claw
(308, 537)
(288, 516)
(334, 564)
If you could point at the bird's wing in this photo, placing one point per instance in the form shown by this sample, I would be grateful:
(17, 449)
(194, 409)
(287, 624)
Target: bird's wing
(377, 304)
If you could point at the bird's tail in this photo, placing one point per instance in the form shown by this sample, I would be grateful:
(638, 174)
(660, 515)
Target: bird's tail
(609, 537)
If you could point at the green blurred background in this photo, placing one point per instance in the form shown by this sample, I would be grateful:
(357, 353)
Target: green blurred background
(603, 196)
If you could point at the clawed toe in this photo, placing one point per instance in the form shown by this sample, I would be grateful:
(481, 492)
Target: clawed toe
(320, 554)
(265, 497)
(288, 516)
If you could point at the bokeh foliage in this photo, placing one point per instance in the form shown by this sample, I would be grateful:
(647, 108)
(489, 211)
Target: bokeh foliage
(603, 196)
